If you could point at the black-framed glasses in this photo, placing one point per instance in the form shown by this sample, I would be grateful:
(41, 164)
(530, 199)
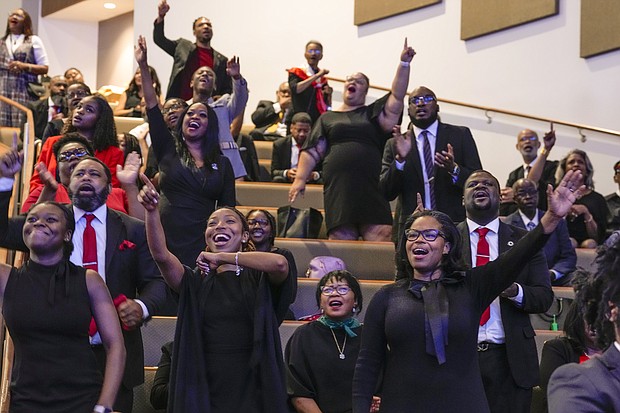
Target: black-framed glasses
(340, 289)
(422, 100)
(263, 223)
(77, 94)
(427, 234)
(67, 155)
(171, 108)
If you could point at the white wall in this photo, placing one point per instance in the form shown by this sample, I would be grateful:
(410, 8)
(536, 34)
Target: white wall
(533, 69)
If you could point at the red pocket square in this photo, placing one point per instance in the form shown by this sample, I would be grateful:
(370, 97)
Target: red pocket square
(126, 244)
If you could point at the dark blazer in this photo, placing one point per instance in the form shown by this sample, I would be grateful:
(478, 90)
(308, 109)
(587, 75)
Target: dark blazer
(547, 177)
(559, 252)
(181, 50)
(613, 219)
(593, 386)
(537, 297)
(129, 270)
(40, 112)
(281, 161)
(407, 183)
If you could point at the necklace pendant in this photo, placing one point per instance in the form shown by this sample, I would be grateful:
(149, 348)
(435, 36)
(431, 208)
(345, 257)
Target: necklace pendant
(341, 356)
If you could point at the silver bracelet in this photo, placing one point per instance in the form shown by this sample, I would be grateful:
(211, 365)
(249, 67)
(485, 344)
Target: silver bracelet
(238, 270)
(404, 64)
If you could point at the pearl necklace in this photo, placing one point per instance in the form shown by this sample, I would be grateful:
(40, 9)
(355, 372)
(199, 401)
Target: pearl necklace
(340, 351)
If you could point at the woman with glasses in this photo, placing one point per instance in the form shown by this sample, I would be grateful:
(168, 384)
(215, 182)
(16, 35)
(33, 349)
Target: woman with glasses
(69, 150)
(92, 118)
(320, 356)
(423, 329)
(195, 178)
(350, 141)
(226, 354)
(22, 60)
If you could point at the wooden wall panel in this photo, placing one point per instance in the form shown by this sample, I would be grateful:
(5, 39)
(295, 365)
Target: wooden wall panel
(52, 6)
(600, 26)
(480, 17)
(367, 11)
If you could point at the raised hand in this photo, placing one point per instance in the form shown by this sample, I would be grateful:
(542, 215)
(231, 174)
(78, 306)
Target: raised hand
(12, 161)
(419, 203)
(402, 143)
(549, 139)
(46, 176)
(233, 69)
(407, 54)
(561, 200)
(140, 50)
(162, 9)
(148, 196)
(128, 175)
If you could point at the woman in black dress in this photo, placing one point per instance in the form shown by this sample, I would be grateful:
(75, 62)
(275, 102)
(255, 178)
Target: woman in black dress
(423, 329)
(48, 305)
(195, 178)
(350, 141)
(129, 102)
(227, 355)
(320, 356)
(587, 220)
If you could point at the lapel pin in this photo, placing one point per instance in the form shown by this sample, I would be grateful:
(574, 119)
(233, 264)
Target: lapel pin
(511, 243)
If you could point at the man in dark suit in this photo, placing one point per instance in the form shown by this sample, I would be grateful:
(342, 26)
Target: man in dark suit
(188, 56)
(594, 386)
(273, 118)
(123, 259)
(404, 174)
(506, 346)
(535, 167)
(285, 152)
(560, 254)
(54, 107)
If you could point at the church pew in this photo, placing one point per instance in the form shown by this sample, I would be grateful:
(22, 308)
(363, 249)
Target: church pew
(124, 123)
(263, 149)
(274, 211)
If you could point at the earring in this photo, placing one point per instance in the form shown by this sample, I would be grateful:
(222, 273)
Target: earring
(354, 310)
(322, 310)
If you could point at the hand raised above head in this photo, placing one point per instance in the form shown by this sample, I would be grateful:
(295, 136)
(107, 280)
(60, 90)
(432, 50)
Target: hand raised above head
(549, 139)
(233, 68)
(407, 54)
(148, 195)
(162, 8)
(140, 50)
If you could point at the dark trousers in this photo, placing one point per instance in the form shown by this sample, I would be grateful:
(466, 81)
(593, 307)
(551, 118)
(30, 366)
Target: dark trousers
(503, 394)
(124, 397)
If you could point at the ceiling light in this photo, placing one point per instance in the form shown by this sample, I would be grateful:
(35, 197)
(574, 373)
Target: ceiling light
(109, 6)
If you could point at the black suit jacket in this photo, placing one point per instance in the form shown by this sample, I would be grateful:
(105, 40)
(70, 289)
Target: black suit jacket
(547, 177)
(281, 160)
(130, 271)
(559, 252)
(407, 183)
(537, 297)
(40, 112)
(593, 386)
(181, 50)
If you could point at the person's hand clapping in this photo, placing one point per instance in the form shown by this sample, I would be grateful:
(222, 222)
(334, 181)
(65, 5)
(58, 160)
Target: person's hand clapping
(402, 143)
(46, 176)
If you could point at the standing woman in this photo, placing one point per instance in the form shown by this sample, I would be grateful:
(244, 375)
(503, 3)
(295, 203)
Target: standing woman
(48, 305)
(195, 177)
(93, 120)
(227, 355)
(350, 141)
(22, 60)
(423, 329)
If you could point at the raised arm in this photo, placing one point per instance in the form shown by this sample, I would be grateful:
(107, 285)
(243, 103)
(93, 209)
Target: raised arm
(394, 104)
(159, 37)
(150, 96)
(108, 325)
(128, 177)
(169, 265)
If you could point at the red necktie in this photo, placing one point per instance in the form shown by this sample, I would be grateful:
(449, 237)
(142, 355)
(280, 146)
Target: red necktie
(483, 257)
(89, 244)
(429, 165)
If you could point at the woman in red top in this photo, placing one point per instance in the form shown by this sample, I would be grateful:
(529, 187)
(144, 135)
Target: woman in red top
(94, 120)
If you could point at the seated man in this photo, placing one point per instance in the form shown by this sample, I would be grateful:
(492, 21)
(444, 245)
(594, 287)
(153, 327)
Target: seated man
(535, 167)
(272, 118)
(54, 107)
(285, 153)
(560, 254)
(613, 203)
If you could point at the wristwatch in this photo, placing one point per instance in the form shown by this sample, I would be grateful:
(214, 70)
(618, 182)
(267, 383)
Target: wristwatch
(101, 409)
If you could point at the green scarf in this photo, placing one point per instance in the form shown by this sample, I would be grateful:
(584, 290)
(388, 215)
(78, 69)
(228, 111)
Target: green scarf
(347, 325)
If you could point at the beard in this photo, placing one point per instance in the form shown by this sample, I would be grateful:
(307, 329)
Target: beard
(90, 202)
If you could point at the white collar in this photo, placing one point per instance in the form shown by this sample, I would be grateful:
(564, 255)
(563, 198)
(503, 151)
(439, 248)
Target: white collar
(526, 220)
(493, 225)
(100, 213)
(432, 129)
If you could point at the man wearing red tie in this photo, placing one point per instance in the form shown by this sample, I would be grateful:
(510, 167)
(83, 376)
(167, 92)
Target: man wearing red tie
(506, 346)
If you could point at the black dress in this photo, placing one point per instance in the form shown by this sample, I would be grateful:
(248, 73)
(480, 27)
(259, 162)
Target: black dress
(597, 206)
(227, 355)
(188, 196)
(352, 166)
(314, 369)
(556, 353)
(47, 311)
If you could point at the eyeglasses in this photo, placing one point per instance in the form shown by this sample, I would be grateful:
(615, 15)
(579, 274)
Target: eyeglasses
(339, 289)
(67, 155)
(78, 94)
(171, 108)
(314, 51)
(419, 100)
(528, 138)
(427, 234)
(263, 223)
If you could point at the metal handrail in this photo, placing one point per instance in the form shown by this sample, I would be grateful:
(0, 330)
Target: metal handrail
(487, 110)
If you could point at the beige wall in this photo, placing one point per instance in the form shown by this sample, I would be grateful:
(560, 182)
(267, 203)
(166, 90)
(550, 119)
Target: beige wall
(115, 64)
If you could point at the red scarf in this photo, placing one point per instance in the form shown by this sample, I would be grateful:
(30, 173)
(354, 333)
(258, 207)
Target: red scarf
(318, 87)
